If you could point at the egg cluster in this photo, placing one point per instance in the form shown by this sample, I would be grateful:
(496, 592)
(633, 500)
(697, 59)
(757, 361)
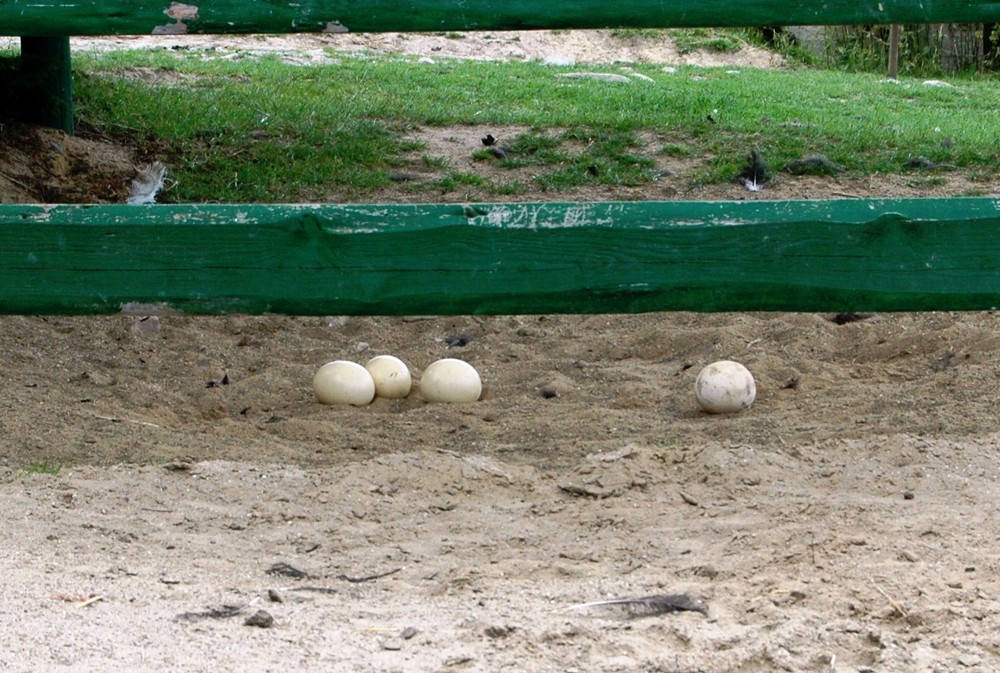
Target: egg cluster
(345, 382)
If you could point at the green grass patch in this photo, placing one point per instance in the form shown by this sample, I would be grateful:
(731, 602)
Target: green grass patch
(44, 468)
(688, 40)
(637, 33)
(262, 130)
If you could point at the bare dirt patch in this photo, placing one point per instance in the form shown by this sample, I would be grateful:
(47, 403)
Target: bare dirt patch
(166, 478)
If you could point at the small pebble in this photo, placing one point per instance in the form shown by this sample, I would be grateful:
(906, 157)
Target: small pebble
(559, 59)
(261, 619)
(274, 596)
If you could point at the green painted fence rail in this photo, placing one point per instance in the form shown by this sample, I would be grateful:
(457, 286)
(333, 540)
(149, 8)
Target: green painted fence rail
(837, 255)
(106, 17)
(45, 26)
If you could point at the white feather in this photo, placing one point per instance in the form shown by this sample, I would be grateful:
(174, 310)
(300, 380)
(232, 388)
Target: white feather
(147, 184)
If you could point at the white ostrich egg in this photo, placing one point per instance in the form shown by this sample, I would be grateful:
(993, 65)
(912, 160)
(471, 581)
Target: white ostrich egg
(391, 376)
(343, 382)
(724, 387)
(451, 380)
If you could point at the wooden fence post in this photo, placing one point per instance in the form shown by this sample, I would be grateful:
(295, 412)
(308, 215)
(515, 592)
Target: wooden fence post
(893, 51)
(48, 81)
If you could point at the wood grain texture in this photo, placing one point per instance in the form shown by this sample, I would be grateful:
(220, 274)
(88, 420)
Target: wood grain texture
(843, 255)
(102, 17)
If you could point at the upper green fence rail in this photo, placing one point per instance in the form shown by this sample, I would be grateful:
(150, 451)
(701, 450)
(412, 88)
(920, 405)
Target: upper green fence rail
(59, 17)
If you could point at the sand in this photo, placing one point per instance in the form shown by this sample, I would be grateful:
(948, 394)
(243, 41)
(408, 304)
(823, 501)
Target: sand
(165, 479)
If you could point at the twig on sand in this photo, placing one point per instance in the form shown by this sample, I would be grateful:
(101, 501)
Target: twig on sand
(896, 606)
(126, 420)
(368, 578)
(90, 601)
(15, 181)
(79, 601)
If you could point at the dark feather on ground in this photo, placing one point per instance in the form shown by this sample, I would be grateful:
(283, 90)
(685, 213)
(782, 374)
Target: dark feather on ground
(649, 606)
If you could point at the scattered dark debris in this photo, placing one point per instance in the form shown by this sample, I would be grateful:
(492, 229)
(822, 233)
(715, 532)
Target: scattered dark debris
(403, 176)
(224, 381)
(368, 578)
(408, 633)
(845, 318)
(499, 152)
(224, 612)
(488, 140)
(814, 164)
(706, 571)
(593, 171)
(908, 495)
(286, 570)
(261, 619)
(649, 606)
(548, 393)
(314, 589)
(925, 164)
(458, 340)
(791, 384)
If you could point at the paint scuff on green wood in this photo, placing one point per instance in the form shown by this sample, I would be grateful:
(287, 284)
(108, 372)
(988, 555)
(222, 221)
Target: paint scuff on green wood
(838, 255)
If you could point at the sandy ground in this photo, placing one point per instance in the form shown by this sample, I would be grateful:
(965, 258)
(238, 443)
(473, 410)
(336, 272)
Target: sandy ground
(846, 522)
(165, 479)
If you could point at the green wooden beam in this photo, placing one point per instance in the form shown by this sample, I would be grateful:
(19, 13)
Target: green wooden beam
(104, 17)
(47, 82)
(843, 255)
(38, 21)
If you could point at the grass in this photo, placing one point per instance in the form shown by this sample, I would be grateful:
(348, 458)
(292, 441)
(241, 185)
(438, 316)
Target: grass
(38, 468)
(262, 130)
(707, 39)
